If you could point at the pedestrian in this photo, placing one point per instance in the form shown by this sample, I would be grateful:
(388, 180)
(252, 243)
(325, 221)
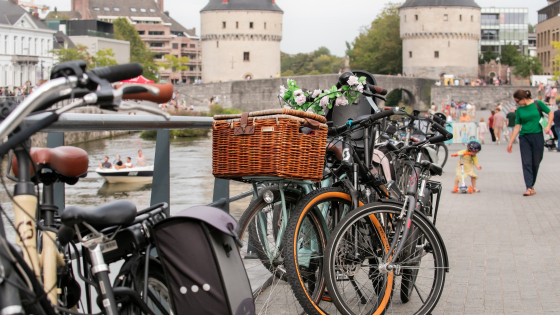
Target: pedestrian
(540, 91)
(557, 127)
(553, 94)
(482, 130)
(498, 125)
(547, 92)
(531, 140)
(491, 125)
(469, 162)
(464, 118)
(511, 123)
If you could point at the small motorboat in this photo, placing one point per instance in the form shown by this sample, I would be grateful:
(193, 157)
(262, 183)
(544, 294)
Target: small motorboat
(137, 174)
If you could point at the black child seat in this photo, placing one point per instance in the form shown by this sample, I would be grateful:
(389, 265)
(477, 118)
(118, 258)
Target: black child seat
(202, 264)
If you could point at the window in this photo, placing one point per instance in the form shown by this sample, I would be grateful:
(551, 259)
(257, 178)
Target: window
(236, 24)
(158, 56)
(143, 10)
(22, 41)
(265, 25)
(410, 54)
(96, 8)
(116, 9)
(192, 46)
(250, 24)
(445, 17)
(6, 44)
(42, 49)
(152, 10)
(472, 18)
(416, 17)
(460, 17)
(175, 46)
(436, 54)
(15, 44)
(223, 24)
(156, 44)
(155, 33)
(217, 44)
(107, 9)
(141, 32)
(133, 9)
(246, 56)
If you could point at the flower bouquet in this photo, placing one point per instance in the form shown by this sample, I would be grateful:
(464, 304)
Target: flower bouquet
(318, 100)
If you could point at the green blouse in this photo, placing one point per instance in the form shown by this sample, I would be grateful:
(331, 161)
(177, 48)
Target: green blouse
(528, 117)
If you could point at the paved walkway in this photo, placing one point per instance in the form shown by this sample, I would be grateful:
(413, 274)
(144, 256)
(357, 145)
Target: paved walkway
(504, 248)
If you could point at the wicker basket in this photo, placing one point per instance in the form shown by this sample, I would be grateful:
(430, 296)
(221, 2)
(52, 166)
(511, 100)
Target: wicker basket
(270, 145)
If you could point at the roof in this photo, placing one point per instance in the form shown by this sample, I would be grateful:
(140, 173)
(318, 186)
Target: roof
(259, 5)
(11, 13)
(60, 39)
(439, 3)
(65, 15)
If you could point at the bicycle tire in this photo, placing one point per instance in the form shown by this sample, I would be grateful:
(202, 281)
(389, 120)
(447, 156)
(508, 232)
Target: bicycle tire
(409, 275)
(375, 211)
(445, 153)
(303, 278)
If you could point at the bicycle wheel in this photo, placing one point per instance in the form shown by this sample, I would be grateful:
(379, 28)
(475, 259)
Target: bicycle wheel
(359, 282)
(443, 153)
(258, 229)
(305, 240)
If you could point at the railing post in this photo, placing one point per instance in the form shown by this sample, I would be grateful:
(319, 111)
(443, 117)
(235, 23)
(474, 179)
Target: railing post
(56, 139)
(160, 183)
(221, 191)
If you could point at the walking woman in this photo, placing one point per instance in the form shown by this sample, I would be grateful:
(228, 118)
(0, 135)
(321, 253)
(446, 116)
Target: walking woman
(491, 125)
(531, 139)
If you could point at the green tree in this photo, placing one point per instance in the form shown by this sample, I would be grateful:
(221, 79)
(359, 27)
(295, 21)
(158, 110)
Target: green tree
(531, 28)
(138, 50)
(175, 64)
(378, 48)
(103, 58)
(487, 56)
(69, 54)
(318, 62)
(510, 55)
(528, 66)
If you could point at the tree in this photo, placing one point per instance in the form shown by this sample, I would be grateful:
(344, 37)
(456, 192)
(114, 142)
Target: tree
(103, 58)
(510, 55)
(487, 56)
(528, 66)
(378, 49)
(138, 50)
(318, 62)
(531, 28)
(69, 54)
(175, 64)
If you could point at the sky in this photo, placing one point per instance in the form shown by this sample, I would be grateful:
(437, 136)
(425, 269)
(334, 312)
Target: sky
(310, 24)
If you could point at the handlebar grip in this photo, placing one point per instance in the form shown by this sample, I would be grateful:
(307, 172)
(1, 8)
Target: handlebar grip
(377, 89)
(65, 235)
(165, 94)
(119, 72)
(439, 138)
(454, 155)
(448, 135)
(333, 131)
(383, 114)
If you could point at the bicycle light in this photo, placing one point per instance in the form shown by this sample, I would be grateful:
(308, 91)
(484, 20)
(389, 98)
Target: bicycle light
(268, 196)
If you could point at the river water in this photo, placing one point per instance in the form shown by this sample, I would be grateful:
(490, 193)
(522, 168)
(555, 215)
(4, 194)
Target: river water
(192, 182)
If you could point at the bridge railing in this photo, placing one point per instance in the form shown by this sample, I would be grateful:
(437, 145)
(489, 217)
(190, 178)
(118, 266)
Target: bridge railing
(112, 122)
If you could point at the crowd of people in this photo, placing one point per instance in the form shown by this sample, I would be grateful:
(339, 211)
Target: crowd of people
(118, 164)
(462, 111)
(176, 103)
(16, 90)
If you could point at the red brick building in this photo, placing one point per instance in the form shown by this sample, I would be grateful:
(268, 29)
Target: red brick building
(161, 33)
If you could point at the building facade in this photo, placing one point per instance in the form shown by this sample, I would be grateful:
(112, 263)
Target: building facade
(548, 31)
(440, 37)
(504, 26)
(240, 40)
(161, 33)
(25, 47)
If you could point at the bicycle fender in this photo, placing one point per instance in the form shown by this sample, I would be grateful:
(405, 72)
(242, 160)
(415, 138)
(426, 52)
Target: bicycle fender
(436, 232)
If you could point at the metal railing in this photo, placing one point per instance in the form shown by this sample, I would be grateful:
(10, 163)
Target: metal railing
(111, 122)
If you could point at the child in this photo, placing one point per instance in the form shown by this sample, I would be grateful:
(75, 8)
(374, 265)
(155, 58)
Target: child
(473, 147)
(482, 130)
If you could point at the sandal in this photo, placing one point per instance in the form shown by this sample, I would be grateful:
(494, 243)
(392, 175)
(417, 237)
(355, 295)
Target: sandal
(533, 192)
(455, 190)
(476, 190)
(529, 192)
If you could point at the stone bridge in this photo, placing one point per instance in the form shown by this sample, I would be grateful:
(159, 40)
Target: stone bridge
(252, 95)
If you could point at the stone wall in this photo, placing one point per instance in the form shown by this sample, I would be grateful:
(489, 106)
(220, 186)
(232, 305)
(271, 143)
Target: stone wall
(481, 96)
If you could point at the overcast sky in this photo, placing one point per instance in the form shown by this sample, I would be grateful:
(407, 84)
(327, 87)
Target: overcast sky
(309, 24)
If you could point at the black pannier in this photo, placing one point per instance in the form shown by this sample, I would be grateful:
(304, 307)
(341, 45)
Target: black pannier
(204, 271)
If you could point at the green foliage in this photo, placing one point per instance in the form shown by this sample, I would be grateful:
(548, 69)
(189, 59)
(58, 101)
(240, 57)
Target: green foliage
(175, 64)
(318, 62)
(219, 110)
(378, 48)
(394, 98)
(528, 66)
(487, 56)
(104, 57)
(531, 28)
(70, 54)
(510, 55)
(138, 50)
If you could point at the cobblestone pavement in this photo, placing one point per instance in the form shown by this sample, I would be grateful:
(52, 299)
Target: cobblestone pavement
(504, 248)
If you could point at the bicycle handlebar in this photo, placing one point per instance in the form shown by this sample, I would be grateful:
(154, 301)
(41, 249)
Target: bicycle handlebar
(119, 72)
(377, 89)
(333, 131)
(165, 93)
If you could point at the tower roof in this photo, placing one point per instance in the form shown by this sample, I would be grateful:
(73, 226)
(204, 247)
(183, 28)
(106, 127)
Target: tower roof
(439, 3)
(243, 5)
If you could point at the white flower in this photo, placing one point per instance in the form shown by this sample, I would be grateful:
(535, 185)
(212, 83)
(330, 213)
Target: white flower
(324, 101)
(282, 91)
(300, 100)
(341, 100)
(310, 110)
(298, 93)
(360, 88)
(316, 93)
(353, 80)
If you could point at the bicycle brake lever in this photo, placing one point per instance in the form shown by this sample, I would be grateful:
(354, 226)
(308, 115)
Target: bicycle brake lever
(148, 109)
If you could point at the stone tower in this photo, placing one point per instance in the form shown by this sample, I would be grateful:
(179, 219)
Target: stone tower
(440, 37)
(240, 40)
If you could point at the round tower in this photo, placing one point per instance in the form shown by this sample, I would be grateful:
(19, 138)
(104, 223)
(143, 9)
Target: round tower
(440, 37)
(240, 40)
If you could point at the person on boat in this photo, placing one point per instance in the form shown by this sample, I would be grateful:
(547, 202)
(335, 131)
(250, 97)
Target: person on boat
(140, 159)
(105, 164)
(117, 162)
(128, 163)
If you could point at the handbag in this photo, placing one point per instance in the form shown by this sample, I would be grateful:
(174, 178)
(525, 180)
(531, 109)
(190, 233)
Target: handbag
(543, 121)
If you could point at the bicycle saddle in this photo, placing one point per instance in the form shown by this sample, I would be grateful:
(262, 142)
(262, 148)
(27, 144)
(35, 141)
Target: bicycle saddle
(69, 162)
(119, 212)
